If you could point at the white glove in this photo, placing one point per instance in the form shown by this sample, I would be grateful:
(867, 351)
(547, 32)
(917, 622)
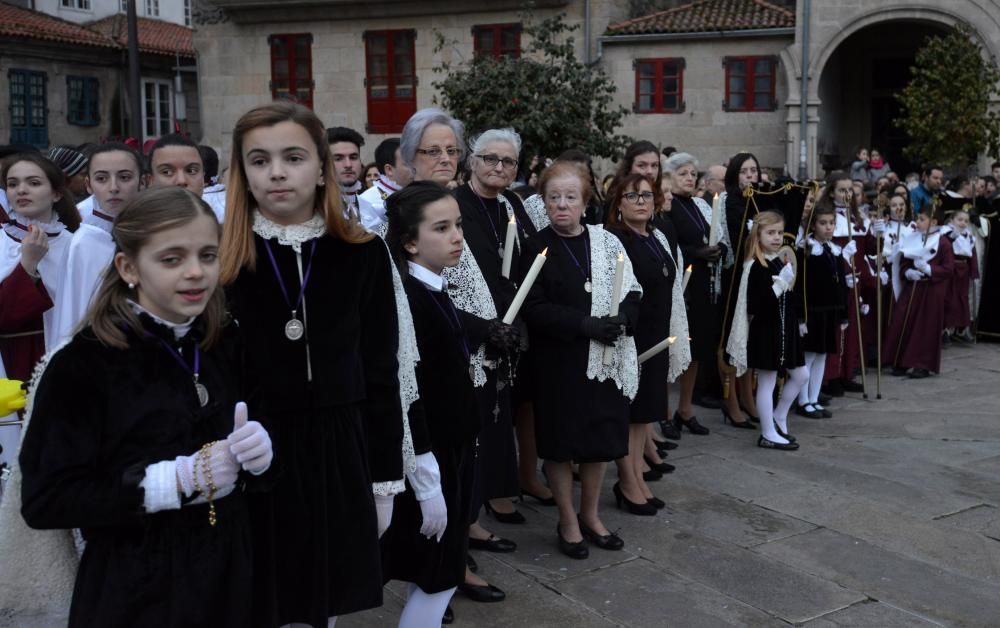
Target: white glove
(913, 274)
(817, 248)
(783, 281)
(250, 442)
(849, 281)
(878, 227)
(383, 511)
(883, 277)
(850, 250)
(435, 515)
(222, 466)
(426, 478)
(922, 266)
(803, 329)
(865, 308)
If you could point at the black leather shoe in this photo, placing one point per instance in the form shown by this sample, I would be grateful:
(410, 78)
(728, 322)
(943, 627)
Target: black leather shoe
(670, 430)
(785, 435)
(809, 411)
(471, 563)
(824, 399)
(898, 371)
(768, 444)
(643, 510)
(449, 616)
(750, 417)
(482, 593)
(493, 544)
(506, 517)
(656, 502)
(919, 373)
(712, 403)
(576, 550)
(826, 413)
(691, 424)
(611, 541)
(652, 476)
(745, 424)
(544, 501)
(665, 445)
(662, 467)
(849, 385)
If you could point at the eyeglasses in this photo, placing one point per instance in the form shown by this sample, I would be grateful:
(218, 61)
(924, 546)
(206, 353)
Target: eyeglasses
(436, 152)
(493, 160)
(634, 197)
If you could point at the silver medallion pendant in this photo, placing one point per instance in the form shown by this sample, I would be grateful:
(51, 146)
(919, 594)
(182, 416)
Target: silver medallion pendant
(666, 272)
(202, 393)
(501, 251)
(589, 287)
(294, 329)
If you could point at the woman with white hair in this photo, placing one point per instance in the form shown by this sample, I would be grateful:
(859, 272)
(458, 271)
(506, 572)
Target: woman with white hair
(692, 218)
(432, 145)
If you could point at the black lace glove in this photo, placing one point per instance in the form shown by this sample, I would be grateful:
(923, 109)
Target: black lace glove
(603, 330)
(708, 253)
(504, 337)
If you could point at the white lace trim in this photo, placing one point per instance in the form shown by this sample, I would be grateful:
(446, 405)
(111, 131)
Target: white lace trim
(55, 227)
(38, 569)
(706, 212)
(680, 351)
(471, 294)
(289, 235)
(737, 345)
(407, 355)
(624, 367)
(534, 206)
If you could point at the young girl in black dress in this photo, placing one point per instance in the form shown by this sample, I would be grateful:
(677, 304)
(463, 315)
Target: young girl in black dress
(137, 439)
(765, 334)
(426, 543)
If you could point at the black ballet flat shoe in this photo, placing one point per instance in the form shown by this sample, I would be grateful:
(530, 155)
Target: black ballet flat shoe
(643, 510)
(662, 467)
(898, 371)
(506, 517)
(919, 373)
(485, 593)
(807, 413)
(471, 563)
(493, 544)
(611, 541)
(670, 430)
(544, 501)
(665, 445)
(448, 617)
(745, 424)
(576, 550)
(768, 444)
(849, 385)
(652, 476)
(785, 435)
(656, 502)
(824, 399)
(691, 424)
(826, 413)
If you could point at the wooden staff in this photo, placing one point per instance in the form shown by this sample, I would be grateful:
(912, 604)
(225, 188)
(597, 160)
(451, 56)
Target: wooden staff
(878, 318)
(906, 318)
(861, 344)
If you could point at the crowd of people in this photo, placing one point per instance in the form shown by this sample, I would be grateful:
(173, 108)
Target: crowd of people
(258, 397)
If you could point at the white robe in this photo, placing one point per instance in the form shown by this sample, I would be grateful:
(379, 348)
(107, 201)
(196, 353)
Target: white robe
(89, 255)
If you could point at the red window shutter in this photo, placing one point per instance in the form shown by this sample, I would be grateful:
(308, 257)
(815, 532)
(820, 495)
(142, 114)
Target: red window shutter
(291, 68)
(497, 40)
(390, 79)
(659, 85)
(750, 83)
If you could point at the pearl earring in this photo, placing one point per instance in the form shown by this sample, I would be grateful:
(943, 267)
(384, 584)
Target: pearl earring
(131, 286)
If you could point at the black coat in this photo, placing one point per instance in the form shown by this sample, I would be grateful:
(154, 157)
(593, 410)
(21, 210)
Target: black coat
(773, 343)
(821, 298)
(101, 416)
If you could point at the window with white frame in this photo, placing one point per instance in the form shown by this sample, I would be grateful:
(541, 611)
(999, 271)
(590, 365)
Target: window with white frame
(83, 5)
(152, 8)
(157, 108)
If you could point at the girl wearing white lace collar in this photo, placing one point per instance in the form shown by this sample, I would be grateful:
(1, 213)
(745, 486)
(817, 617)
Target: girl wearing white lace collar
(314, 298)
(957, 314)
(765, 333)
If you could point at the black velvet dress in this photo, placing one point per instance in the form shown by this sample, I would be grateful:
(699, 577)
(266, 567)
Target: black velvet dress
(655, 270)
(821, 299)
(773, 343)
(447, 426)
(576, 419)
(101, 416)
(330, 402)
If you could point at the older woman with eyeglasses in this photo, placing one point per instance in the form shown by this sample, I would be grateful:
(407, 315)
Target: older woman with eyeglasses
(657, 263)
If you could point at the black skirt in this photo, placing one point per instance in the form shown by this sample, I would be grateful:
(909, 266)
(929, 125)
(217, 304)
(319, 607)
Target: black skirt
(497, 458)
(410, 556)
(315, 537)
(822, 335)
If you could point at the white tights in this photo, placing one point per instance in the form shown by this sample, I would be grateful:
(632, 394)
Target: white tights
(424, 609)
(816, 366)
(769, 415)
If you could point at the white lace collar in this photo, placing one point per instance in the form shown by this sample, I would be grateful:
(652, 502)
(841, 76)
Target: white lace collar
(55, 226)
(429, 278)
(289, 235)
(180, 329)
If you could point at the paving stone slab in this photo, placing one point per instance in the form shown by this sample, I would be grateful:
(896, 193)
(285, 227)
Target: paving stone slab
(869, 614)
(984, 519)
(903, 582)
(638, 593)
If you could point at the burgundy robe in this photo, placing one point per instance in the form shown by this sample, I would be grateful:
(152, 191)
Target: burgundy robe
(22, 338)
(957, 313)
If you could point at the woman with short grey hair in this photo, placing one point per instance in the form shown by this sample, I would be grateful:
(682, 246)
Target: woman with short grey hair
(432, 145)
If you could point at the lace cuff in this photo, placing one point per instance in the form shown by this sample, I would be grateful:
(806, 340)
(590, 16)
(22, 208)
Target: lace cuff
(388, 489)
(160, 487)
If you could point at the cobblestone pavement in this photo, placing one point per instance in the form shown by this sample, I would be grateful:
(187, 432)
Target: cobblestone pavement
(889, 515)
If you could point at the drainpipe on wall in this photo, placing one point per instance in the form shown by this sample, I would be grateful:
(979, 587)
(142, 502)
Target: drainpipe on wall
(804, 95)
(586, 31)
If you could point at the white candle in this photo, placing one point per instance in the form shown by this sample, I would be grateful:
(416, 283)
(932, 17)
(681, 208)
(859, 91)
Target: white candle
(508, 247)
(687, 278)
(657, 348)
(616, 295)
(713, 234)
(522, 292)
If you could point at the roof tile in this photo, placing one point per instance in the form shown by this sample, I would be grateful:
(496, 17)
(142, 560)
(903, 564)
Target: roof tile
(21, 22)
(709, 16)
(155, 36)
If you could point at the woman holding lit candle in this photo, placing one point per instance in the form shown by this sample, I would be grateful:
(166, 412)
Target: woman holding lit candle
(581, 404)
(658, 267)
(693, 218)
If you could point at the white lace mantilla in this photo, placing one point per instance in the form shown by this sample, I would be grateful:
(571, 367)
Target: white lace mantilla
(737, 345)
(680, 351)
(624, 367)
(289, 235)
(38, 570)
(469, 292)
(534, 206)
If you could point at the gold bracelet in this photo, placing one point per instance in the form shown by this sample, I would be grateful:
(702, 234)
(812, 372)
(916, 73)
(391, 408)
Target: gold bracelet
(206, 469)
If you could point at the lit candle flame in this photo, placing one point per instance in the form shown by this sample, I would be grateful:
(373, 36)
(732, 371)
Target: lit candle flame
(545, 252)
(672, 339)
